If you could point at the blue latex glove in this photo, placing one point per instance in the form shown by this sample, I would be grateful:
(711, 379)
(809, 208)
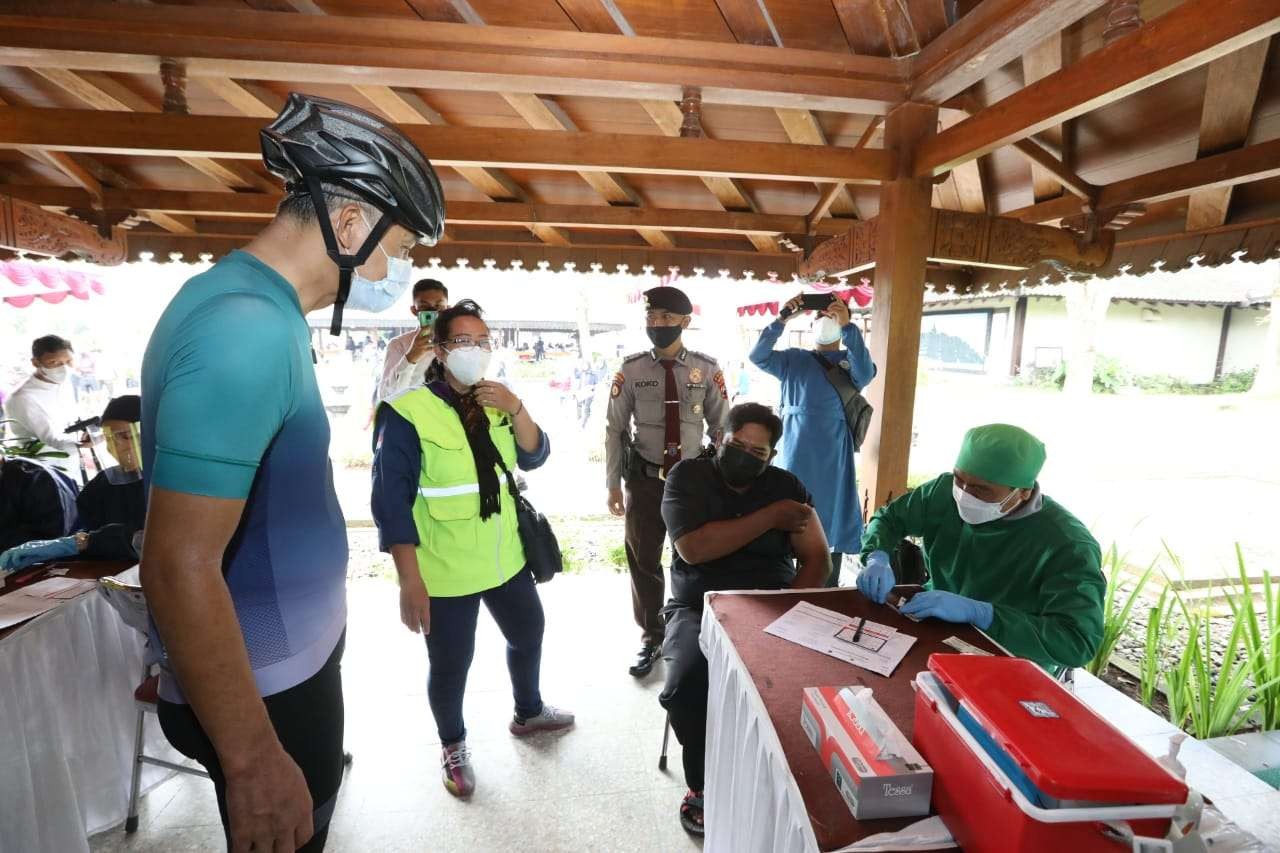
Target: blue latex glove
(949, 607)
(38, 551)
(876, 578)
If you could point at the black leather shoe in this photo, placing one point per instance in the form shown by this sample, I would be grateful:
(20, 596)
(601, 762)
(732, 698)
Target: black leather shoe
(645, 660)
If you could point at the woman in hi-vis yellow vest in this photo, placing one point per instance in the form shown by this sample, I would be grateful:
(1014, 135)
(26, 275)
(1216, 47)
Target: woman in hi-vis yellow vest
(444, 511)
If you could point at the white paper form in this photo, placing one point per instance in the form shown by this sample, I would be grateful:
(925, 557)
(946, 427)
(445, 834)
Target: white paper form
(880, 648)
(23, 604)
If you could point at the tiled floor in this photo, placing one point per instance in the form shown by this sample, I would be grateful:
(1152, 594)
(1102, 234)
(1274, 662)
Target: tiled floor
(596, 787)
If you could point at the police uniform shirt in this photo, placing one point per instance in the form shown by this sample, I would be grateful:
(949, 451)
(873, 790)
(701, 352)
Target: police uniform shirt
(639, 393)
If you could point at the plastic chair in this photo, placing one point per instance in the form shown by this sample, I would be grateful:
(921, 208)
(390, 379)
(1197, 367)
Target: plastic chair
(128, 601)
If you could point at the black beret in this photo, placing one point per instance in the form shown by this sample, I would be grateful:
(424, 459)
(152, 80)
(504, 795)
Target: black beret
(667, 299)
(126, 408)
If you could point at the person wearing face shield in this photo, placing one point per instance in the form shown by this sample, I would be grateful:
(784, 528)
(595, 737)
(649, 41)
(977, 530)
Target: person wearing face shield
(111, 508)
(445, 512)
(1001, 554)
(817, 444)
(736, 522)
(673, 395)
(245, 552)
(43, 406)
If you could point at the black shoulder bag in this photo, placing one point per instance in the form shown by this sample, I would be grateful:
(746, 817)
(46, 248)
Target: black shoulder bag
(857, 411)
(541, 548)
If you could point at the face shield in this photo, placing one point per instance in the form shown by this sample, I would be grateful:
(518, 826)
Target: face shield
(124, 443)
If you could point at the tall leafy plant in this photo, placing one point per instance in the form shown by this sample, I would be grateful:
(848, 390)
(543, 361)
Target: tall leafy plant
(1263, 645)
(1117, 607)
(1161, 628)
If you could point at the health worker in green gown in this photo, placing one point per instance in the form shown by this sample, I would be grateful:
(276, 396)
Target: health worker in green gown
(1001, 555)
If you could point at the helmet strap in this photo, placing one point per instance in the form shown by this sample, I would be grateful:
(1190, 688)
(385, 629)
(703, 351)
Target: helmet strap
(346, 263)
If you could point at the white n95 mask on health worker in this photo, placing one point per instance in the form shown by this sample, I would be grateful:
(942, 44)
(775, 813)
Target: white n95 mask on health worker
(975, 511)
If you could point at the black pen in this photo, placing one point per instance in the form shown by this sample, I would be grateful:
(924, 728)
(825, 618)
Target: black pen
(857, 634)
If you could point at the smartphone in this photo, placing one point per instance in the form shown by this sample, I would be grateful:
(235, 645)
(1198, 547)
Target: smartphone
(816, 301)
(427, 318)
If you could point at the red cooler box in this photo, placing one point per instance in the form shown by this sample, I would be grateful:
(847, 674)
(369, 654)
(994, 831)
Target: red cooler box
(1020, 764)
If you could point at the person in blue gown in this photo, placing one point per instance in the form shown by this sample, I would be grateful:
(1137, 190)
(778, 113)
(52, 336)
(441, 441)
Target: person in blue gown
(816, 443)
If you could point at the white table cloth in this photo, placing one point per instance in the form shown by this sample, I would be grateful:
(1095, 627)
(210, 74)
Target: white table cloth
(752, 801)
(67, 725)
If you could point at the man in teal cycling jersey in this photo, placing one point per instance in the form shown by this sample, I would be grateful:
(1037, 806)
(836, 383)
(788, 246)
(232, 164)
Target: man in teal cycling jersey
(244, 561)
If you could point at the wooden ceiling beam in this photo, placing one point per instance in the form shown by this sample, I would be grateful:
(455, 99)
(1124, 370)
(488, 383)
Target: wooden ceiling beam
(1039, 62)
(156, 135)
(1244, 165)
(729, 192)
(802, 128)
(1230, 94)
(994, 34)
(878, 27)
(301, 49)
(1191, 35)
(249, 98)
(103, 92)
(575, 216)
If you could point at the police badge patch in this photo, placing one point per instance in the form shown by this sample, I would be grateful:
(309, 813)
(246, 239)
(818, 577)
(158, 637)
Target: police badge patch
(719, 380)
(618, 380)
(695, 375)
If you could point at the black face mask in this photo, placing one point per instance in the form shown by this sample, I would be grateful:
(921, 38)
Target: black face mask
(738, 467)
(663, 336)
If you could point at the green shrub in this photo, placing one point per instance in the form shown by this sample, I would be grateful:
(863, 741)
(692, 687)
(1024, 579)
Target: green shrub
(618, 557)
(1117, 606)
(1229, 383)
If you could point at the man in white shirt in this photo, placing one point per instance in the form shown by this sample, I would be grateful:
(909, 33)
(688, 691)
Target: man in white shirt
(43, 406)
(409, 355)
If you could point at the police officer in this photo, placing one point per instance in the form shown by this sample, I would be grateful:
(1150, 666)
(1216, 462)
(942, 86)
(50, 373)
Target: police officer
(670, 392)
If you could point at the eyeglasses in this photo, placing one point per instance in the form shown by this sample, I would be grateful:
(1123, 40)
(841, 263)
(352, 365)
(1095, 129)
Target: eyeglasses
(483, 343)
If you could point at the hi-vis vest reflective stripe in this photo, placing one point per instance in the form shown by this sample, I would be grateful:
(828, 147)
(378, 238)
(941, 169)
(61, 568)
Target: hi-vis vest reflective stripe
(458, 553)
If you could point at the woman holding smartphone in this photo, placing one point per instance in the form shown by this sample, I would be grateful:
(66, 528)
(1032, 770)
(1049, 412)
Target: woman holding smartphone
(444, 511)
(410, 355)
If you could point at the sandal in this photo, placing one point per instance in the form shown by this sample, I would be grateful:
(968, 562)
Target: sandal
(691, 813)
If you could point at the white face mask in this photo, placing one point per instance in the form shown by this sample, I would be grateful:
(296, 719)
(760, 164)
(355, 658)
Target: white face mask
(378, 296)
(827, 330)
(57, 374)
(975, 511)
(467, 364)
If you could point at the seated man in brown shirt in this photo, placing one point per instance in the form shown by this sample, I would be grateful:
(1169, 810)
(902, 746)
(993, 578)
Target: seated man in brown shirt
(736, 522)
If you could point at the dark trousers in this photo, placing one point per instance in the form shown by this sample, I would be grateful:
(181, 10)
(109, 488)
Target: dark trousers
(684, 694)
(308, 719)
(645, 535)
(516, 608)
(834, 578)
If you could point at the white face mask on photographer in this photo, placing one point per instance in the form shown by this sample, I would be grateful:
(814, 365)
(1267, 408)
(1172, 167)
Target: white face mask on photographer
(975, 511)
(378, 296)
(467, 364)
(827, 330)
(57, 374)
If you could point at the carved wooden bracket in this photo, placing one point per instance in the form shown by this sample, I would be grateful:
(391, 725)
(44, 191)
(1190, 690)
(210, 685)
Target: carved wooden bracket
(25, 227)
(173, 74)
(967, 239)
(691, 107)
(1123, 17)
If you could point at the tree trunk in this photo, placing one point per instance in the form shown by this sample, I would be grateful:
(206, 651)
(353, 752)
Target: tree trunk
(1087, 304)
(1267, 381)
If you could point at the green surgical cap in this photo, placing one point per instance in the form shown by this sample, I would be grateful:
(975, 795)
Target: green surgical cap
(1003, 454)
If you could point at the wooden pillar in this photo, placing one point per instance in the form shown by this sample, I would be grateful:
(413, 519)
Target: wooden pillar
(1222, 343)
(902, 241)
(1019, 334)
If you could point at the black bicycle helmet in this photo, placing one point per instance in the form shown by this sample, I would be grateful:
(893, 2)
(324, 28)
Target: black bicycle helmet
(316, 142)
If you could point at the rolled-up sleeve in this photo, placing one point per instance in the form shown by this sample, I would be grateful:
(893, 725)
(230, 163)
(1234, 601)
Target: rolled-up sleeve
(397, 468)
(529, 460)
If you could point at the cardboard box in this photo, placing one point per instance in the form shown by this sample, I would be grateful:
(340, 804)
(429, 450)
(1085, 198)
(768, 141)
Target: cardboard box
(876, 769)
